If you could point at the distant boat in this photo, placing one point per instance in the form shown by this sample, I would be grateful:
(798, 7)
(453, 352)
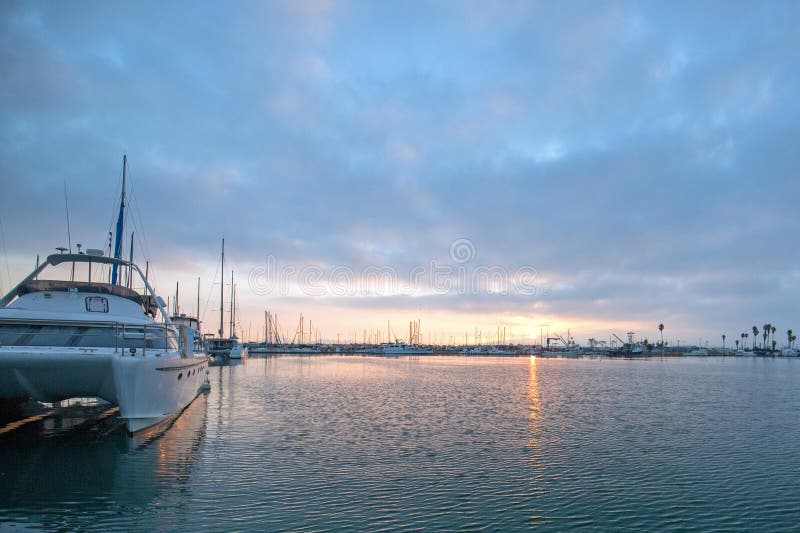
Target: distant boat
(488, 351)
(702, 352)
(222, 346)
(300, 349)
(401, 348)
(226, 347)
(283, 349)
(238, 350)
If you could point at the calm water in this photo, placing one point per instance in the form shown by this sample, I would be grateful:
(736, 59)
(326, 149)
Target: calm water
(367, 443)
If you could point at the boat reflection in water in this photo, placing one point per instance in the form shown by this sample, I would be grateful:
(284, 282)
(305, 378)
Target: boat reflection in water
(78, 478)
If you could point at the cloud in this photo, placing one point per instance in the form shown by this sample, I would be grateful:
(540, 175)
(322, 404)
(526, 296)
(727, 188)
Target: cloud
(643, 161)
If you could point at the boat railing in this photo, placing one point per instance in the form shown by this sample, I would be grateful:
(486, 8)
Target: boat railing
(130, 339)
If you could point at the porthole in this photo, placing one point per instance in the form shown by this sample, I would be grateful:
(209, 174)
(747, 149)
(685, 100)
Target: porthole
(180, 376)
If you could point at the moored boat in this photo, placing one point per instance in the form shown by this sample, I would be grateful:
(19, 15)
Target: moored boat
(401, 348)
(62, 338)
(494, 351)
(222, 346)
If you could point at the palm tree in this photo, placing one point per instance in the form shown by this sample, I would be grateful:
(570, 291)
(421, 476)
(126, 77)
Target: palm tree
(661, 332)
(723, 343)
(765, 334)
(789, 334)
(755, 336)
(773, 330)
(737, 345)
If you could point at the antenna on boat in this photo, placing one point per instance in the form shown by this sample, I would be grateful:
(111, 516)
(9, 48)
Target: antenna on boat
(66, 207)
(110, 238)
(120, 222)
(130, 258)
(69, 234)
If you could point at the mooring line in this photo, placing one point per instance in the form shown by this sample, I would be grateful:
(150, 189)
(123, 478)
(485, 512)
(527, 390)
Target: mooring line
(19, 423)
(107, 413)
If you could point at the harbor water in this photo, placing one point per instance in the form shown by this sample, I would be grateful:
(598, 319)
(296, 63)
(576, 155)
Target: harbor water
(318, 443)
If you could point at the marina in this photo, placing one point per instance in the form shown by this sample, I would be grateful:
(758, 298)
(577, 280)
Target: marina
(322, 266)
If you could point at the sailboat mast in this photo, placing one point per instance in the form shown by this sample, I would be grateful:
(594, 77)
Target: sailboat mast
(231, 331)
(222, 293)
(120, 222)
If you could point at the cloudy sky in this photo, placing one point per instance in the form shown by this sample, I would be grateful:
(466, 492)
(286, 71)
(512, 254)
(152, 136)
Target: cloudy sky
(598, 166)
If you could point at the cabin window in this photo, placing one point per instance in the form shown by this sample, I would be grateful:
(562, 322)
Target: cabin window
(96, 304)
(152, 337)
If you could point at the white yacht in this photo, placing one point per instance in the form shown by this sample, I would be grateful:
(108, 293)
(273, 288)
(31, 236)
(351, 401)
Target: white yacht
(238, 350)
(229, 347)
(401, 348)
(63, 338)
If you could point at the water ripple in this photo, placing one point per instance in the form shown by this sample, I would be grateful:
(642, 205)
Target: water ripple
(374, 444)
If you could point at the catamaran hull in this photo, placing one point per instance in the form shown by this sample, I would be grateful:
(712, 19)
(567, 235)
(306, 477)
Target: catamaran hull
(156, 389)
(147, 389)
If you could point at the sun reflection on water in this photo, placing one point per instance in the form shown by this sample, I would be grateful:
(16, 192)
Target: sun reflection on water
(533, 391)
(534, 415)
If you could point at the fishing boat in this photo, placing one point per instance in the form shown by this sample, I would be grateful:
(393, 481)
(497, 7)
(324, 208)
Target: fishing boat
(63, 335)
(564, 347)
